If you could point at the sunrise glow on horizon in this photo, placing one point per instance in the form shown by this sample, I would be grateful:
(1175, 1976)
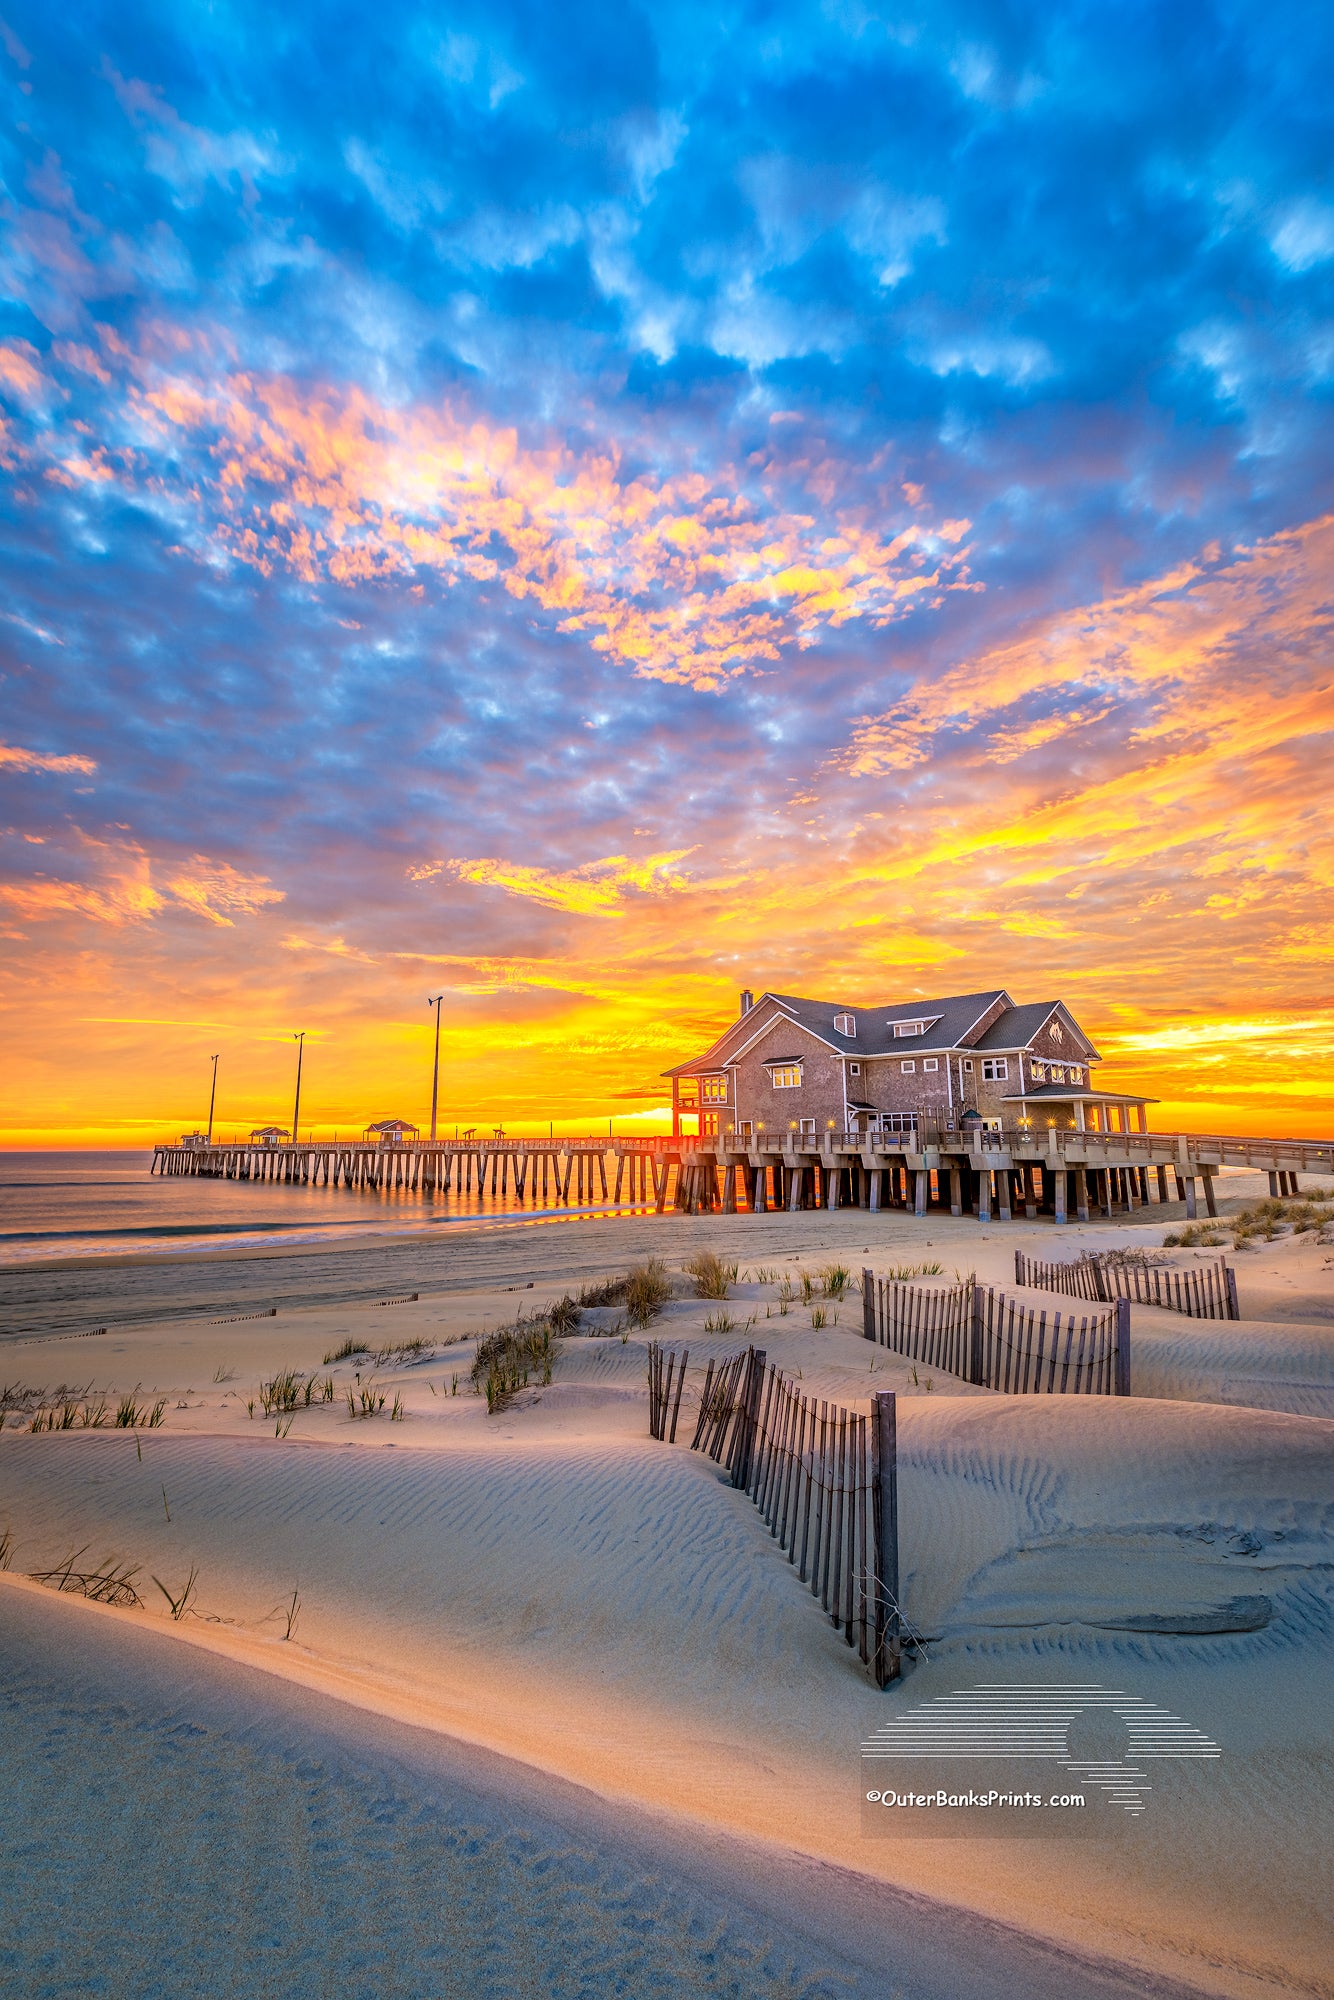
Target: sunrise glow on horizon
(588, 513)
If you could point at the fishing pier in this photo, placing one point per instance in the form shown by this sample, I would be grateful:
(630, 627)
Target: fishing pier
(993, 1175)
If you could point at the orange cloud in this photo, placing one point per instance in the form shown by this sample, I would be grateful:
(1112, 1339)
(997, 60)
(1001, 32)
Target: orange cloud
(14, 759)
(599, 888)
(680, 577)
(121, 888)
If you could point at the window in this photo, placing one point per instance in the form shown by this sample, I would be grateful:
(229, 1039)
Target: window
(931, 1063)
(907, 1067)
(845, 1024)
(1076, 1075)
(966, 1063)
(902, 1028)
(854, 1069)
(1057, 1073)
(786, 1076)
(713, 1090)
(995, 1069)
(708, 1125)
(1040, 1072)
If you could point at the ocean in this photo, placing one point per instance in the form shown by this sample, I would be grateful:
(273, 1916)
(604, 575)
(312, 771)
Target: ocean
(67, 1204)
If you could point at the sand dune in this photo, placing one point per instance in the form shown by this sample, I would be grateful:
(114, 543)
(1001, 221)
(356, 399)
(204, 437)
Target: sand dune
(552, 1585)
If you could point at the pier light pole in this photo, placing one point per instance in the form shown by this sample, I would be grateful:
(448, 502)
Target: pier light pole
(213, 1092)
(435, 1072)
(300, 1041)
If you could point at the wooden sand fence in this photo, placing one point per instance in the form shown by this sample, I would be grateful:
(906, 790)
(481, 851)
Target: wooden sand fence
(825, 1481)
(996, 1342)
(1202, 1291)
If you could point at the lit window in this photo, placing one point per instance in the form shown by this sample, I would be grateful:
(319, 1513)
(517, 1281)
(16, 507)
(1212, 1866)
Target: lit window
(907, 1067)
(845, 1024)
(1076, 1075)
(786, 1076)
(1057, 1073)
(1040, 1072)
(713, 1089)
(995, 1069)
(930, 1062)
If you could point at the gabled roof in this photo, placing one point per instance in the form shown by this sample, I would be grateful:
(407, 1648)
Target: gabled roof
(949, 1023)
(1020, 1026)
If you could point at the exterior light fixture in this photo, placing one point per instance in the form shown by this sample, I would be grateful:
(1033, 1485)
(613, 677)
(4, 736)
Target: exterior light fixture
(830, 1123)
(791, 1124)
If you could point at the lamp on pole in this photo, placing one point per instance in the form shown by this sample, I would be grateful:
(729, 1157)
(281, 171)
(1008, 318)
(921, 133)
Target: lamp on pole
(300, 1041)
(213, 1092)
(435, 1072)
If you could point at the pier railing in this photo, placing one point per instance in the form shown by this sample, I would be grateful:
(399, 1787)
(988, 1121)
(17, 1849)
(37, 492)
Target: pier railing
(996, 1342)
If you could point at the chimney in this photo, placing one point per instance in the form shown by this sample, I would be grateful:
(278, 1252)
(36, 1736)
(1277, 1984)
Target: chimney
(747, 1000)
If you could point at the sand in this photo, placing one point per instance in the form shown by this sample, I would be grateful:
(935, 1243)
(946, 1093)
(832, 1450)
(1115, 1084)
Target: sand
(550, 1586)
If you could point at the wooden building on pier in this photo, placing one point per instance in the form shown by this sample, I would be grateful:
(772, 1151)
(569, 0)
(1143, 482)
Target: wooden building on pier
(811, 1067)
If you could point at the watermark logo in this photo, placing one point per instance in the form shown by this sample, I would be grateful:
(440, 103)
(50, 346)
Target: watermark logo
(1027, 1759)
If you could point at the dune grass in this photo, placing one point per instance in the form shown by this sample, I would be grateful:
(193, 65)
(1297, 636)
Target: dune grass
(132, 1416)
(108, 1583)
(507, 1360)
(181, 1600)
(713, 1278)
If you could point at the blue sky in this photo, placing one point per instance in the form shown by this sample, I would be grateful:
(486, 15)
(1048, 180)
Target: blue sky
(597, 506)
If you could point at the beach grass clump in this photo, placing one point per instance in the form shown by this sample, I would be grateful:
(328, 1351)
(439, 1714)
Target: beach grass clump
(1312, 1214)
(834, 1280)
(900, 1274)
(131, 1415)
(647, 1290)
(713, 1278)
(507, 1360)
(180, 1600)
(605, 1292)
(108, 1583)
(1207, 1233)
(400, 1351)
(351, 1350)
(720, 1322)
(282, 1392)
(367, 1400)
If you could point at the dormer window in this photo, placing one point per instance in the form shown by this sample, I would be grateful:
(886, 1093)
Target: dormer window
(845, 1024)
(902, 1029)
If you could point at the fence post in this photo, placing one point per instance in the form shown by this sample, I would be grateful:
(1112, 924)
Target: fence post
(1122, 1387)
(1230, 1279)
(749, 1417)
(868, 1304)
(1019, 1267)
(975, 1344)
(887, 1657)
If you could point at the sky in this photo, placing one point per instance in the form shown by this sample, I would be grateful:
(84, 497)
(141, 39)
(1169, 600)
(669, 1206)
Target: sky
(582, 510)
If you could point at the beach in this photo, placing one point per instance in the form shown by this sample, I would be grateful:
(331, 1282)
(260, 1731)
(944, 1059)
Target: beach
(552, 1592)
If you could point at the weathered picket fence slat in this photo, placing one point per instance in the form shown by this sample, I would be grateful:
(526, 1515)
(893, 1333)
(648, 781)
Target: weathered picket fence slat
(825, 1481)
(1204, 1291)
(663, 1408)
(997, 1342)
